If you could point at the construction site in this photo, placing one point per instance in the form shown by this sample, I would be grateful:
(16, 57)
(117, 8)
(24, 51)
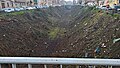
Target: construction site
(65, 31)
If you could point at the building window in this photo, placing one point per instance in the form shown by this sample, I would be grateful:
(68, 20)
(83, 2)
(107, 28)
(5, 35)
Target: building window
(15, 4)
(12, 4)
(8, 4)
(3, 5)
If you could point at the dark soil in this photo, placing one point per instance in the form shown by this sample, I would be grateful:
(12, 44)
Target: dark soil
(67, 31)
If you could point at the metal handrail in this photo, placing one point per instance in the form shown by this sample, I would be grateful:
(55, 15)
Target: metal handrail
(61, 61)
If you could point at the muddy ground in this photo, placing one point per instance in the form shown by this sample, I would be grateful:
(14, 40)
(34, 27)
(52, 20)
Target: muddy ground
(67, 31)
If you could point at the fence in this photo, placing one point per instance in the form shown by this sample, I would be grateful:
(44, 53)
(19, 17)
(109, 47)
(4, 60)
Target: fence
(60, 61)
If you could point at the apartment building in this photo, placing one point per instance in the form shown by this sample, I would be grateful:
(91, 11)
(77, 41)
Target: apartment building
(20, 3)
(62, 2)
(49, 2)
(56, 2)
(74, 2)
(79, 1)
(16, 3)
(6, 3)
(111, 2)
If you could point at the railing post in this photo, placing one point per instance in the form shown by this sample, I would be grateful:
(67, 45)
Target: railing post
(110, 67)
(77, 66)
(29, 66)
(60, 66)
(0, 65)
(45, 66)
(91, 66)
(13, 65)
(94, 66)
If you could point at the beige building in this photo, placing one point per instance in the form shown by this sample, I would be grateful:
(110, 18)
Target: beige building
(21, 3)
(49, 2)
(6, 3)
(15, 3)
(87, 1)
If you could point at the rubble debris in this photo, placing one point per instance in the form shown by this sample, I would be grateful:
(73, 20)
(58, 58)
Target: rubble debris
(116, 40)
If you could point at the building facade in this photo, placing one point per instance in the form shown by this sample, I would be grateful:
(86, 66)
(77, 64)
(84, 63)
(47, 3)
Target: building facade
(111, 2)
(6, 3)
(21, 3)
(62, 2)
(79, 1)
(16, 3)
(49, 2)
(74, 2)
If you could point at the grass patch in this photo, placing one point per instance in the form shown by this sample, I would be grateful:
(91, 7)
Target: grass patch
(55, 32)
(116, 15)
(15, 13)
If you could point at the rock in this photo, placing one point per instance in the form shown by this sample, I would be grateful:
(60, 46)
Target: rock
(64, 50)
(32, 50)
(117, 29)
(71, 44)
(4, 35)
(85, 24)
(75, 25)
(116, 40)
(45, 43)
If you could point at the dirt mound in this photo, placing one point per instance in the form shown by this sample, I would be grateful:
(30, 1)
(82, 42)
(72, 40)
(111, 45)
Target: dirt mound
(67, 31)
(34, 33)
(89, 30)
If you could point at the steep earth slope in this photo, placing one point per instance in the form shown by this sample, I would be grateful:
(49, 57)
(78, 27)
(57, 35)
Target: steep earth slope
(67, 31)
(90, 30)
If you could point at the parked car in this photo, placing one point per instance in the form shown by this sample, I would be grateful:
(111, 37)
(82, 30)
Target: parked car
(30, 8)
(117, 7)
(1, 10)
(38, 7)
(45, 6)
(91, 4)
(8, 9)
(22, 8)
(34, 7)
(103, 7)
(17, 9)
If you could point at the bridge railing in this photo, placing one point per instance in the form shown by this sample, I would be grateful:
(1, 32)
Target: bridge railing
(60, 61)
